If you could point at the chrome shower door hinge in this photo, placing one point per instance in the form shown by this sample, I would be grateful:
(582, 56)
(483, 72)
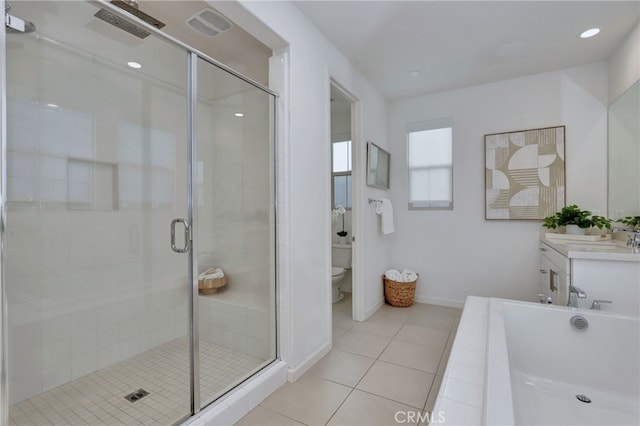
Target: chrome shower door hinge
(14, 22)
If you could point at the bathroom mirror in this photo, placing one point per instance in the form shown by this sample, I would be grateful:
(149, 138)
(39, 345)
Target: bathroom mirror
(377, 166)
(624, 154)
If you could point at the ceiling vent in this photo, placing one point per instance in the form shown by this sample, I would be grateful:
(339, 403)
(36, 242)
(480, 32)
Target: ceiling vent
(209, 22)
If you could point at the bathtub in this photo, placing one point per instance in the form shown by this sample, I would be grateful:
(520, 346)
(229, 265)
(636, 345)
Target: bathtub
(539, 370)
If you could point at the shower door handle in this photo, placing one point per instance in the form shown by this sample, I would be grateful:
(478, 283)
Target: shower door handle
(552, 280)
(187, 236)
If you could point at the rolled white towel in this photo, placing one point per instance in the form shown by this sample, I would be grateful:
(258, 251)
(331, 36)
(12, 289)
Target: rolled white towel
(394, 274)
(211, 274)
(408, 275)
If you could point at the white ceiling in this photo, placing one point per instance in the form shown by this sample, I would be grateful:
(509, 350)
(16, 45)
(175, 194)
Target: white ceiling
(457, 44)
(235, 48)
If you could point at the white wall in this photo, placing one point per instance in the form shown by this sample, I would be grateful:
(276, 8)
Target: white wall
(305, 303)
(459, 253)
(624, 65)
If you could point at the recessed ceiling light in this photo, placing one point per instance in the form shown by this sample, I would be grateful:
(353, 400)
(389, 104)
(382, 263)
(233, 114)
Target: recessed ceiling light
(134, 65)
(239, 114)
(52, 105)
(590, 32)
(413, 74)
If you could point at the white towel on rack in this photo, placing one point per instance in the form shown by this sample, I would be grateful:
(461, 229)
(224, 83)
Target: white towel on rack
(385, 209)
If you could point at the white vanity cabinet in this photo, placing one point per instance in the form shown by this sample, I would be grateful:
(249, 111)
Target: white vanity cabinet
(555, 274)
(617, 281)
(604, 272)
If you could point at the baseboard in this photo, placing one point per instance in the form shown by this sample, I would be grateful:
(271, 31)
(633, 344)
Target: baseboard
(440, 301)
(373, 309)
(294, 374)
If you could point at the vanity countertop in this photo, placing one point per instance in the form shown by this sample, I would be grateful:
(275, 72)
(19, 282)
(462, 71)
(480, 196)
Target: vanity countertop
(596, 250)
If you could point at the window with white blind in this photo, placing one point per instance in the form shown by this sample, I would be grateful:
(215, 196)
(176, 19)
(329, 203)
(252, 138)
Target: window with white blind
(430, 164)
(341, 184)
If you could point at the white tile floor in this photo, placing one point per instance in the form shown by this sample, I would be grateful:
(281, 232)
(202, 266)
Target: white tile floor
(98, 398)
(391, 363)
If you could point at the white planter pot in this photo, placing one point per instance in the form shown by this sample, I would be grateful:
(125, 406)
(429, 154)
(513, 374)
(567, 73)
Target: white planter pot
(575, 230)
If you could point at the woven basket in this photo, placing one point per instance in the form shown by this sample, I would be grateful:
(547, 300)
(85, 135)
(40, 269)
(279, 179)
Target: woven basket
(399, 294)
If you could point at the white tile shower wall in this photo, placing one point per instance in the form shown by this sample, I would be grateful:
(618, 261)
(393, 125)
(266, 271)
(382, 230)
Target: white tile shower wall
(83, 296)
(88, 288)
(235, 327)
(234, 208)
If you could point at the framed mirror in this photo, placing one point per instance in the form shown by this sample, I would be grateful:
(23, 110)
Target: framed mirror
(377, 166)
(624, 154)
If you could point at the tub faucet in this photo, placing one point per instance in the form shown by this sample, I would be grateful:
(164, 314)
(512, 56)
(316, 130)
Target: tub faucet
(579, 294)
(545, 299)
(596, 304)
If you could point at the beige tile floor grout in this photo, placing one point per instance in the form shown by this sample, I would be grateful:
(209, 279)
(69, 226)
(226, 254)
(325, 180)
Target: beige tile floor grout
(390, 365)
(98, 398)
(383, 371)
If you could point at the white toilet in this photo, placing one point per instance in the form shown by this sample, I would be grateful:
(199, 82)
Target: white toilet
(340, 262)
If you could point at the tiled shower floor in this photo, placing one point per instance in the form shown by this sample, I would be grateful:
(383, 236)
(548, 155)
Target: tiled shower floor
(98, 398)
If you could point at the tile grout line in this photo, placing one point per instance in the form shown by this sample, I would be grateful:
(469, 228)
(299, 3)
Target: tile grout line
(365, 373)
(378, 359)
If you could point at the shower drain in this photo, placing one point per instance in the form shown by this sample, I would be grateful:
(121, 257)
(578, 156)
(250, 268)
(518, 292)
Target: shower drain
(584, 398)
(137, 395)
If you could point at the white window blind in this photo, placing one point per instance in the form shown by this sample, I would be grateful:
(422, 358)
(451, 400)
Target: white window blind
(341, 184)
(430, 164)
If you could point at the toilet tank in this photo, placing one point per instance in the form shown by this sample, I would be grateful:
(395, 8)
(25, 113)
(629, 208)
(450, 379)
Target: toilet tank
(341, 255)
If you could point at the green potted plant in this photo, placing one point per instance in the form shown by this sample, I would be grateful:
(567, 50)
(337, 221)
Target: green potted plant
(631, 221)
(575, 220)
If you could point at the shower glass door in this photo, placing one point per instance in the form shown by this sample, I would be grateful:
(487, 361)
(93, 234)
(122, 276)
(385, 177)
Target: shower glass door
(235, 223)
(98, 302)
(134, 167)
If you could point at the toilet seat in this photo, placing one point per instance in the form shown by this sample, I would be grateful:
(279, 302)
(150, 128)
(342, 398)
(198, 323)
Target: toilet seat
(336, 271)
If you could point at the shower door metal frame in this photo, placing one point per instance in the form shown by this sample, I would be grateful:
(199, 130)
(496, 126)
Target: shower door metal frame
(194, 327)
(4, 373)
(192, 57)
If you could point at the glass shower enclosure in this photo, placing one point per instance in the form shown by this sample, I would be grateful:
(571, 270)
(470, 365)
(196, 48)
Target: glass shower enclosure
(131, 167)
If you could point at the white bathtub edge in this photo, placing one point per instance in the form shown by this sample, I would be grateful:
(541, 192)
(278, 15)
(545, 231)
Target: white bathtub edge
(464, 365)
(498, 388)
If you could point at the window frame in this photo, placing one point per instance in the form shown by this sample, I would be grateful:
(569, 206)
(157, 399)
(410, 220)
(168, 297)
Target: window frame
(440, 123)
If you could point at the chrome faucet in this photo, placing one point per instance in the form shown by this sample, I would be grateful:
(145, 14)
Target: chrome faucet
(579, 294)
(545, 299)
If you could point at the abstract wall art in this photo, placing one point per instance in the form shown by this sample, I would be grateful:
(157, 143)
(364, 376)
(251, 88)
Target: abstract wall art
(524, 173)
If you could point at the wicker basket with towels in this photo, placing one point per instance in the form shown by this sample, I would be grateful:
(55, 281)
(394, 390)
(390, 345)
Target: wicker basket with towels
(400, 287)
(211, 280)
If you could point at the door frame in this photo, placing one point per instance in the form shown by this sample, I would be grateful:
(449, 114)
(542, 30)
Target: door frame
(358, 147)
